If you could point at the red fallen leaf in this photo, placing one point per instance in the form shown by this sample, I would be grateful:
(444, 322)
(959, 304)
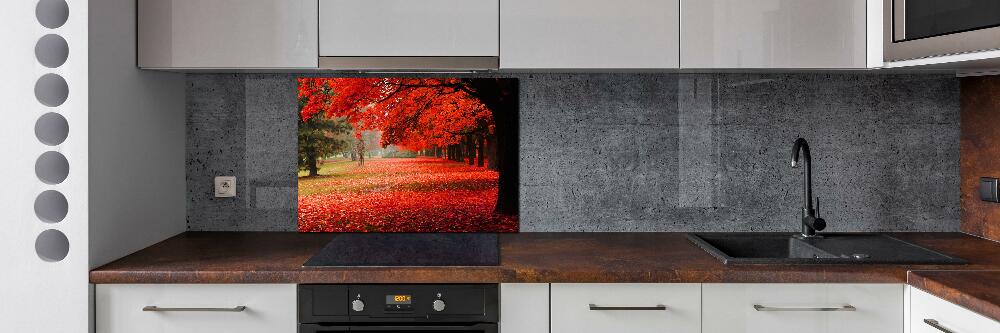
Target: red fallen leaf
(404, 195)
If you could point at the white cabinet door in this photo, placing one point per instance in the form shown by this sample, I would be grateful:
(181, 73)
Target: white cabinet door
(778, 308)
(773, 34)
(409, 28)
(927, 310)
(625, 307)
(589, 34)
(227, 33)
(269, 308)
(524, 308)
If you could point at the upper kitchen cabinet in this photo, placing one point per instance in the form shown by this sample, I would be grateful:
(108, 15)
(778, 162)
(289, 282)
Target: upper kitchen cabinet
(409, 34)
(206, 34)
(780, 34)
(589, 34)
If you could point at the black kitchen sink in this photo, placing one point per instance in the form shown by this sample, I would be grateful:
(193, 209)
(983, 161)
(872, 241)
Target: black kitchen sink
(837, 248)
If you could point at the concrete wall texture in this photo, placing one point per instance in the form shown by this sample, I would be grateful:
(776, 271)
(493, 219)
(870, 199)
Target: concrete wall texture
(640, 152)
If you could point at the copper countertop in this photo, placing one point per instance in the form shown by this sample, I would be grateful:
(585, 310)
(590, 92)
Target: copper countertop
(277, 257)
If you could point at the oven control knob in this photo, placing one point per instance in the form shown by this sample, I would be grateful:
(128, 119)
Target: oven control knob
(438, 305)
(358, 305)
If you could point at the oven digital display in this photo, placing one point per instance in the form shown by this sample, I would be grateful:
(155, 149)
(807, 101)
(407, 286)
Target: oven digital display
(398, 299)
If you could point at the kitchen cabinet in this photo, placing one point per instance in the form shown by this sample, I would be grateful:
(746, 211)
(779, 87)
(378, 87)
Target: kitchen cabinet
(524, 308)
(195, 34)
(625, 307)
(818, 308)
(589, 34)
(406, 28)
(201, 308)
(777, 34)
(930, 314)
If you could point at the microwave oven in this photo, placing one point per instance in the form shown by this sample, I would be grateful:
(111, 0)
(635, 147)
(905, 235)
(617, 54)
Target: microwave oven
(915, 29)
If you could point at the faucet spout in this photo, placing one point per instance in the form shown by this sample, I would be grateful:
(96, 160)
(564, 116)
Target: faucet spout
(810, 222)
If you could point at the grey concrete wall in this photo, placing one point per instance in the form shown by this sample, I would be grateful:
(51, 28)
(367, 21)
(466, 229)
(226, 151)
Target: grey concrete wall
(640, 152)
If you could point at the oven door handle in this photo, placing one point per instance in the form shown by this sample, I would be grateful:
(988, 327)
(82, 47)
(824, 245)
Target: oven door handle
(486, 328)
(314, 328)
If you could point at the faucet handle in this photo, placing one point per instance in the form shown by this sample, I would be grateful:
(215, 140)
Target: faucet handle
(817, 206)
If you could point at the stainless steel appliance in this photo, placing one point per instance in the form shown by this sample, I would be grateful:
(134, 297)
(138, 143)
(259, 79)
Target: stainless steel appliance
(916, 29)
(386, 308)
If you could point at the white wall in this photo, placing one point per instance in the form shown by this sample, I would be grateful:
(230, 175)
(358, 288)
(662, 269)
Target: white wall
(137, 187)
(126, 134)
(38, 295)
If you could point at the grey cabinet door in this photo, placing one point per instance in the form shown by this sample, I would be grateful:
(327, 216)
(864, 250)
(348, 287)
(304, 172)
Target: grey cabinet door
(774, 34)
(228, 33)
(589, 34)
(408, 28)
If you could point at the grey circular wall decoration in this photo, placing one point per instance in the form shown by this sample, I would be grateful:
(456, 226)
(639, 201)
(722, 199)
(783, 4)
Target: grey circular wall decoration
(51, 90)
(52, 167)
(52, 13)
(51, 51)
(52, 245)
(51, 206)
(51, 129)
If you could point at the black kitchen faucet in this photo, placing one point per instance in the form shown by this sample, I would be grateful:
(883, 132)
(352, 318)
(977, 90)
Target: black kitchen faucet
(810, 221)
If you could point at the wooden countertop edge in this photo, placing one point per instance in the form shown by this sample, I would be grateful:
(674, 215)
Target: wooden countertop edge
(970, 301)
(500, 275)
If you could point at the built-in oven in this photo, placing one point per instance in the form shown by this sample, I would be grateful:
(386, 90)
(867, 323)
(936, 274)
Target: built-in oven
(928, 28)
(387, 308)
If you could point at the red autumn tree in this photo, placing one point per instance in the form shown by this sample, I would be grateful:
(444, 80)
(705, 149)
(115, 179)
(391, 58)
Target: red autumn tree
(462, 117)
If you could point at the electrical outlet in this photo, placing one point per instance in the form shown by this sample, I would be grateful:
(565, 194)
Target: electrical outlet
(225, 187)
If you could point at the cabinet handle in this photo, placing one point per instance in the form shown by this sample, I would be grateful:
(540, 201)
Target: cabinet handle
(660, 307)
(848, 307)
(935, 324)
(154, 308)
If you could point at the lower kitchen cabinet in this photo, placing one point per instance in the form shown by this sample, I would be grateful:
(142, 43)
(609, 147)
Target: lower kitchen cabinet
(524, 308)
(569, 308)
(625, 307)
(816, 308)
(196, 308)
(930, 314)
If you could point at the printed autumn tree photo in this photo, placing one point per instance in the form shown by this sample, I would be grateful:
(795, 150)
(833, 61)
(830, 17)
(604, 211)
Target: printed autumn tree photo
(408, 155)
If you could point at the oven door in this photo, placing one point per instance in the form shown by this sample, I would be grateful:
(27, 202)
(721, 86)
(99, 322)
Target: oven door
(474, 328)
(927, 28)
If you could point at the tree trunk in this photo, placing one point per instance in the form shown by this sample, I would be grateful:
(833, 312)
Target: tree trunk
(501, 97)
(491, 152)
(311, 160)
(360, 147)
(470, 145)
(480, 151)
(507, 160)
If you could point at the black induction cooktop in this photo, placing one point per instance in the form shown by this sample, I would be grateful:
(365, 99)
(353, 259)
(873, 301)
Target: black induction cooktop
(408, 249)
